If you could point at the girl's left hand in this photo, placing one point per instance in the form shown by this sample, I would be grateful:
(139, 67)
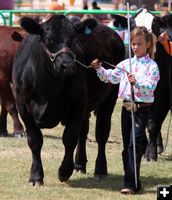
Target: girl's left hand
(163, 36)
(131, 78)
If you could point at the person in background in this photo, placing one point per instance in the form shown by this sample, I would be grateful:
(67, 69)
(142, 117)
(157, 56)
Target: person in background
(56, 6)
(133, 7)
(144, 6)
(7, 5)
(164, 6)
(97, 16)
(143, 77)
(165, 10)
(85, 7)
(157, 6)
(163, 39)
(95, 6)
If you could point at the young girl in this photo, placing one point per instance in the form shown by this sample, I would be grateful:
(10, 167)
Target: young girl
(163, 39)
(143, 76)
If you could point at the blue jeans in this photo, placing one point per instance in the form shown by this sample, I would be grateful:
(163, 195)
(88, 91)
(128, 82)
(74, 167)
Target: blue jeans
(141, 117)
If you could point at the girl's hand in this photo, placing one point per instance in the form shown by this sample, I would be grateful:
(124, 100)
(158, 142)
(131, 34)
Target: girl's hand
(96, 63)
(163, 36)
(131, 78)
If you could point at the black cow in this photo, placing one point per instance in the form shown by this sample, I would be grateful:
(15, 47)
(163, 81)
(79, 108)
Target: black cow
(51, 86)
(163, 93)
(162, 102)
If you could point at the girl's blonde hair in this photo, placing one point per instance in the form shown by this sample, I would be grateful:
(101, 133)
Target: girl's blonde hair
(149, 37)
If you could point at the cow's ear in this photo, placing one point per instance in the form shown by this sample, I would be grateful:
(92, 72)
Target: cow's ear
(156, 26)
(86, 26)
(31, 26)
(17, 36)
(119, 21)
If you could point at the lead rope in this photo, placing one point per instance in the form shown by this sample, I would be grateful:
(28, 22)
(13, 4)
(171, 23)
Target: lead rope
(88, 66)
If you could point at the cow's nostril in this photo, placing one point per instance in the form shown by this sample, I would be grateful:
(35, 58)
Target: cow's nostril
(68, 63)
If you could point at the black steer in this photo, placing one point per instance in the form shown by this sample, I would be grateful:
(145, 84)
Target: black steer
(163, 92)
(51, 86)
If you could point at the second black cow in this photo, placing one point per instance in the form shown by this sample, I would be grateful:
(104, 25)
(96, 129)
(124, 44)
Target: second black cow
(52, 86)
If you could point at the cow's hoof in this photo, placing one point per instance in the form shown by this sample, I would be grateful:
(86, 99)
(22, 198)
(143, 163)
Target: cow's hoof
(64, 175)
(39, 183)
(80, 168)
(150, 159)
(18, 135)
(4, 134)
(36, 183)
(160, 149)
(62, 178)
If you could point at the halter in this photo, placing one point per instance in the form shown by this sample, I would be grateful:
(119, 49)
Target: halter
(53, 56)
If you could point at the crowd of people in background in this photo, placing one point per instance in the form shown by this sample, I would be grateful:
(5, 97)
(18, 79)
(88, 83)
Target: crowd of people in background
(158, 6)
(119, 5)
(56, 6)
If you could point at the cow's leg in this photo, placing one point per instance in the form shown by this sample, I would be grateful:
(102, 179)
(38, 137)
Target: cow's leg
(160, 146)
(103, 125)
(81, 156)
(70, 139)
(154, 127)
(18, 130)
(145, 143)
(3, 121)
(10, 106)
(35, 142)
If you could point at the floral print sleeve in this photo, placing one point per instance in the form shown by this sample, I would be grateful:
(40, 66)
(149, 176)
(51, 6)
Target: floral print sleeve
(146, 73)
(109, 75)
(145, 85)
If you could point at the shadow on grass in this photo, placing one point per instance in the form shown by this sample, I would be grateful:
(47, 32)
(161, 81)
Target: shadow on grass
(115, 183)
(52, 137)
(167, 158)
(112, 182)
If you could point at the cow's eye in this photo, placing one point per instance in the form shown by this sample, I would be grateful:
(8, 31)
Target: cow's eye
(51, 41)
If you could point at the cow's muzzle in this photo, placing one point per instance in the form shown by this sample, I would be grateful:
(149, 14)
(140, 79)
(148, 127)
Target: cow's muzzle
(64, 59)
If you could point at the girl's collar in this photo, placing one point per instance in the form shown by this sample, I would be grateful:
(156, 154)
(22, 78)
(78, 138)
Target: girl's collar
(144, 58)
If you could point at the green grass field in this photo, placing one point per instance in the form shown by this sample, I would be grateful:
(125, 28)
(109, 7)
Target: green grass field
(15, 161)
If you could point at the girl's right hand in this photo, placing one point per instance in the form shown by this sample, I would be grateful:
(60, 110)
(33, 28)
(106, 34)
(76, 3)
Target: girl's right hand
(96, 63)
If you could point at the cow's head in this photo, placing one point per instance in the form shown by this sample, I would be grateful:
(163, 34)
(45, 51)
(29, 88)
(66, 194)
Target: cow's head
(145, 18)
(142, 18)
(161, 24)
(56, 37)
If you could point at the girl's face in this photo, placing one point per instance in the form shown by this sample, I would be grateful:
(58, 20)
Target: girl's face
(139, 46)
